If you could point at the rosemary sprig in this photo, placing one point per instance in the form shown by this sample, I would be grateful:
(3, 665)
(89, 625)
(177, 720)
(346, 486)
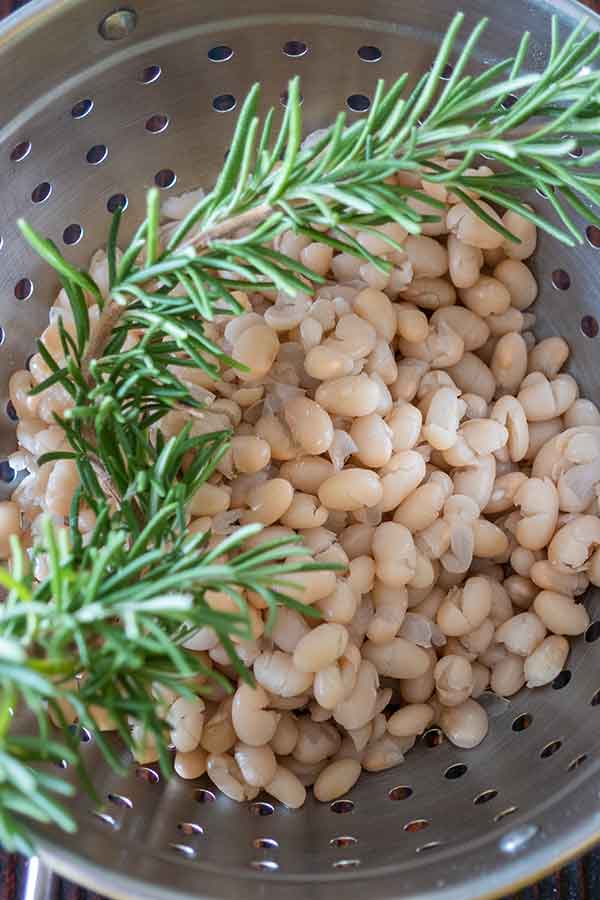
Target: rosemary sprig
(119, 603)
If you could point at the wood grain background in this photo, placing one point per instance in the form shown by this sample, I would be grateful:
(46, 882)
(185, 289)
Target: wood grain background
(580, 880)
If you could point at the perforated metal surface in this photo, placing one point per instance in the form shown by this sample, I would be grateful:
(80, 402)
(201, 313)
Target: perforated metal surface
(90, 115)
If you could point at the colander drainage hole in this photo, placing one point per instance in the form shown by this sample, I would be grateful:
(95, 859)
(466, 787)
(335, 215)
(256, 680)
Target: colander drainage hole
(120, 800)
(522, 722)
(82, 108)
(106, 818)
(97, 154)
(224, 103)
(11, 414)
(433, 737)
(41, 192)
(561, 680)
(447, 72)
(455, 771)
(7, 473)
(400, 792)
(117, 201)
(265, 843)
(166, 178)
(578, 761)
(72, 234)
(204, 796)
(150, 74)
(344, 840)
(506, 812)
(295, 48)
(157, 123)
(147, 775)
(593, 632)
(283, 97)
(561, 280)
(358, 102)
(117, 24)
(24, 289)
(369, 53)
(550, 749)
(485, 796)
(21, 151)
(260, 808)
(265, 865)
(417, 825)
(81, 733)
(190, 828)
(592, 233)
(342, 806)
(183, 850)
(430, 846)
(346, 864)
(509, 101)
(589, 326)
(220, 54)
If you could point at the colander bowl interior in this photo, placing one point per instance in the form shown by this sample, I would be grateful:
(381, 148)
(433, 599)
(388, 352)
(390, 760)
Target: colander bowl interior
(98, 105)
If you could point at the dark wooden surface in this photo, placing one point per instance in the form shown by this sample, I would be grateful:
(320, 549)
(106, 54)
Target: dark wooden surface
(579, 880)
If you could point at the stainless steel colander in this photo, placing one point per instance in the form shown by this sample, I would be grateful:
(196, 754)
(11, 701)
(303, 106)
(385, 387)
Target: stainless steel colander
(99, 103)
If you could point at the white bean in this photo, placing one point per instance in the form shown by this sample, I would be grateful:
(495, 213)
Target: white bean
(518, 280)
(336, 779)
(465, 725)
(521, 634)
(546, 661)
(560, 614)
(287, 788)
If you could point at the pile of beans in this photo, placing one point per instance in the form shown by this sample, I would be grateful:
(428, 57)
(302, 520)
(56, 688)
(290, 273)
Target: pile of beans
(408, 427)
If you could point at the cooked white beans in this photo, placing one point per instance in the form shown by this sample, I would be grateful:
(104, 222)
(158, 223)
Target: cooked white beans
(336, 779)
(224, 772)
(522, 633)
(310, 425)
(410, 720)
(465, 725)
(351, 395)
(508, 675)
(287, 788)
(560, 614)
(190, 765)
(546, 661)
(269, 501)
(408, 427)
(320, 647)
